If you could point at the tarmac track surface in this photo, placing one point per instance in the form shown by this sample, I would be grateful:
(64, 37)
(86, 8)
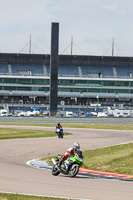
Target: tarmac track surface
(17, 177)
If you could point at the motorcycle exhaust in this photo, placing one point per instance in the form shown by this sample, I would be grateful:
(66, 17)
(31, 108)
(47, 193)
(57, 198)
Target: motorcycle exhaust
(53, 160)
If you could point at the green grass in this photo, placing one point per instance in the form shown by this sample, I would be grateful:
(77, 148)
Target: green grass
(4, 196)
(9, 133)
(118, 159)
(91, 126)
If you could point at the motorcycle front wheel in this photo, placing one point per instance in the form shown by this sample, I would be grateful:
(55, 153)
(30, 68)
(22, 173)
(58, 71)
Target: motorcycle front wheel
(73, 171)
(55, 171)
(58, 135)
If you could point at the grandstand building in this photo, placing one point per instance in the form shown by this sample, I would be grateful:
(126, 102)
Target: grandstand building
(105, 80)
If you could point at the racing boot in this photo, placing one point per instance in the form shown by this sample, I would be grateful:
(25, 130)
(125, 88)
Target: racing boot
(59, 164)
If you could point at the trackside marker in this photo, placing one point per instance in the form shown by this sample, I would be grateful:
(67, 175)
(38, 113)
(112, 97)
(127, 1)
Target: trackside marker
(107, 174)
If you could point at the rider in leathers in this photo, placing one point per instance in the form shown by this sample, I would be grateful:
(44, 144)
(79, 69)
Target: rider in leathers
(59, 126)
(72, 151)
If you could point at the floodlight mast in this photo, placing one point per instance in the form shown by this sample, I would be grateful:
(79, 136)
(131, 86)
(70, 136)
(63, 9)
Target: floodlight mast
(30, 45)
(113, 47)
(71, 45)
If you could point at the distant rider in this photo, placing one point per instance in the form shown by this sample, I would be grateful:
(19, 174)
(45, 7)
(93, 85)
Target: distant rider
(71, 151)
(59, 126)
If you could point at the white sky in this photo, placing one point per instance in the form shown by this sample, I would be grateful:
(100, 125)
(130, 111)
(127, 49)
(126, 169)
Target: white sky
(92, 23)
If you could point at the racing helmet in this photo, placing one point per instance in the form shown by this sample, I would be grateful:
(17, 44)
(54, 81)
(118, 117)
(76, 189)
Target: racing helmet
(76, 146)
(58, 124)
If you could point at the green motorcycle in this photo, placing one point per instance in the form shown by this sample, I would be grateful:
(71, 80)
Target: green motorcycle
(69, 167)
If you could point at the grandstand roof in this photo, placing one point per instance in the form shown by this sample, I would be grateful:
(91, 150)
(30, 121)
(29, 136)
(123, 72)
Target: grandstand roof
(66, 59)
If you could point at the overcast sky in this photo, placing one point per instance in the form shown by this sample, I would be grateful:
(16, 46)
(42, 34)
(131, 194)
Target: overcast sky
(91, 23)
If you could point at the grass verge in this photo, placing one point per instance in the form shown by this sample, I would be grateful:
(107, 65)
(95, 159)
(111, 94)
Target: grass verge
(9, 133)
(91, 126)
(4, 196)
(117, 159)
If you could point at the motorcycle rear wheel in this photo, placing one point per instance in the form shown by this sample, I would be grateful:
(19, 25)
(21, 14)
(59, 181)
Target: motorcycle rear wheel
(73, 171)
(55, 171)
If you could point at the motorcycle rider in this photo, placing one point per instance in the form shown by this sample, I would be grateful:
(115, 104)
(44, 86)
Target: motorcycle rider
(71, 151)
(59, 126)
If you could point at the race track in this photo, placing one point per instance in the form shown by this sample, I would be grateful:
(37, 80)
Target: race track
(17, 177)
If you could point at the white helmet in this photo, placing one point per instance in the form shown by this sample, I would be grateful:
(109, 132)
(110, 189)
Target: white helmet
(76, 146)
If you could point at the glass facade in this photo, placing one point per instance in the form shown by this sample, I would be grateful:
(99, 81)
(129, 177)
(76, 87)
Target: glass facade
(24, 81)
(68, 85)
